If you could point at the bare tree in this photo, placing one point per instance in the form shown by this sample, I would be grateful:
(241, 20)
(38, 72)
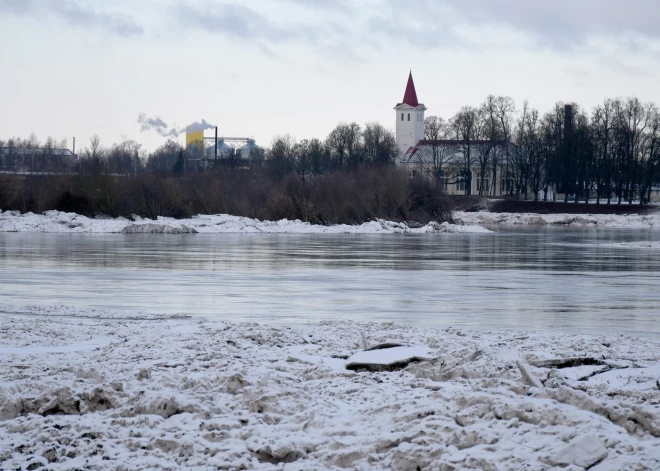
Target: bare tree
(281, 159)
(465, 125)
(632, 120)
(505, 108)
(651, 154)
(344, 142)
(602, 123)
(491, 135)
(379, 145)
(435, 166)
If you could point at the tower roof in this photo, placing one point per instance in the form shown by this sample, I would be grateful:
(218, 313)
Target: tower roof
(410, 97)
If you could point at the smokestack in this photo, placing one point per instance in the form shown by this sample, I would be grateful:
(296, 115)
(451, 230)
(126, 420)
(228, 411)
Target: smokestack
(568, 123)
(74, 146)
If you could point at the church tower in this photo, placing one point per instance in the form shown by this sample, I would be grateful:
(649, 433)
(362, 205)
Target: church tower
(409, 119)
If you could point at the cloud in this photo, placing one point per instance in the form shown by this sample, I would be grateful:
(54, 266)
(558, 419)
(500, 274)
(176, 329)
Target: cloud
(234, 21)
(561, 25)
(623, 68)
(238, 22)
(339, 6)
(557, 24)
(75, 14)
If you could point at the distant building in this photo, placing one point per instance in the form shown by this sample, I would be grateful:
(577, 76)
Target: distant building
(41, 151)
(35, 160)
(444, 159)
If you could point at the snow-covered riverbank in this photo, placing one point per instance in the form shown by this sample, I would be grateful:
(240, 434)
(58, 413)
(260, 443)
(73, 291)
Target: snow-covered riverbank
(466, 222)
(579, 220)
(198, 394)
(57, 221)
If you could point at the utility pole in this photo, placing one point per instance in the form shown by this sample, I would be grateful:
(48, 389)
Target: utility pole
(215, 158)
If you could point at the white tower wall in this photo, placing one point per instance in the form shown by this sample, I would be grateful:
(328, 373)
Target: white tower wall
(410, 130)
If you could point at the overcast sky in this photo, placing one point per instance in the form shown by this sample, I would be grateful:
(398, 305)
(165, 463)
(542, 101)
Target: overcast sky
(260, 68)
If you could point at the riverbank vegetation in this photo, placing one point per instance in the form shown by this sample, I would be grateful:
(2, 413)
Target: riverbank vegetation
(353, 197)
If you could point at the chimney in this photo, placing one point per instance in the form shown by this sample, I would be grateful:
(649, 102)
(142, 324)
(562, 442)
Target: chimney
(568, 122)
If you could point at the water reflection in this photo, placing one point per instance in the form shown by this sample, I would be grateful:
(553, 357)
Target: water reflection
(524, 278)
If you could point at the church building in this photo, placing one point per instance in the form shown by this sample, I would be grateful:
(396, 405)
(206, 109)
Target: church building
(444, 159)
(410, 119)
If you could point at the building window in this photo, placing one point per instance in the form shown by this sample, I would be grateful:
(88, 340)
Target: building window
(408, 116)
(460, 185)
(401, 116)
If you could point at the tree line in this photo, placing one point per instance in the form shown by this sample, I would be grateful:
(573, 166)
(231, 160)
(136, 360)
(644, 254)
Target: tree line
(348, 146)
(348, 178)
(611, 153)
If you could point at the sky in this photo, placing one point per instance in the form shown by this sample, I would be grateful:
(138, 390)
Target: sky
(145, 69)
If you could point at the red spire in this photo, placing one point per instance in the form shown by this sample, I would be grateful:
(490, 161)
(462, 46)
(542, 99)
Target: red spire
(410, 98)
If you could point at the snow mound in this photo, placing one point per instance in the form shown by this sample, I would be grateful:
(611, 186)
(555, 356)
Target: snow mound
(57, 221)
(579, 220)
(151, 228)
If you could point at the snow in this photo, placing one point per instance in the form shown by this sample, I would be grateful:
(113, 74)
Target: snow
(57, 221)
(580, 220)
(162, 393)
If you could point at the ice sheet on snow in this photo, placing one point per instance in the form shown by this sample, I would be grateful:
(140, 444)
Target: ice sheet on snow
(389, 356)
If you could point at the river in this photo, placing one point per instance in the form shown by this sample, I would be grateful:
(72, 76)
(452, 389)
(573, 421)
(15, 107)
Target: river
(518, 278)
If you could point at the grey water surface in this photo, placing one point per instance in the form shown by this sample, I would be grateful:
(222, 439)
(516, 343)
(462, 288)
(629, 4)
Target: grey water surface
(515, 278)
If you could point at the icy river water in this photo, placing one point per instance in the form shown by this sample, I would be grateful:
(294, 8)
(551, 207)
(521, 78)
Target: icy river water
(536, 278)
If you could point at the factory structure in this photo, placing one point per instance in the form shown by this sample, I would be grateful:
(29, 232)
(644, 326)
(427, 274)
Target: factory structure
(205, 152)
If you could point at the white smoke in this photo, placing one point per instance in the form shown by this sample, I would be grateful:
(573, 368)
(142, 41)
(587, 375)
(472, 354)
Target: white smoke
(196, 127)
(161, 127)
(158, 125)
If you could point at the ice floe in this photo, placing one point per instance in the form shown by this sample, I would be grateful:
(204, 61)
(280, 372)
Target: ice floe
(202, 394)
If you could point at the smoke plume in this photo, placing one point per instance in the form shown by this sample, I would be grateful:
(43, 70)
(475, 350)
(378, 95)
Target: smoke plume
(203, 126)
(158, 125)
(161, 127)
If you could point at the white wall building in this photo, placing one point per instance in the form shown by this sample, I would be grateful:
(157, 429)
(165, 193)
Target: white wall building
(409, 119)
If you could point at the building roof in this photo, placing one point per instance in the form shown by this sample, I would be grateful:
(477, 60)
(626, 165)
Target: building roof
(423, 152)
(410, 97)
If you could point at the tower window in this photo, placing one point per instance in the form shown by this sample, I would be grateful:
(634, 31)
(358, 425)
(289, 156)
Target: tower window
(401, 116)
(408, 116)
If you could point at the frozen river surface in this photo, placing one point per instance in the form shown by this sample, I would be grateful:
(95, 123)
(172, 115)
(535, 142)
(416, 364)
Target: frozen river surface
(551, 278)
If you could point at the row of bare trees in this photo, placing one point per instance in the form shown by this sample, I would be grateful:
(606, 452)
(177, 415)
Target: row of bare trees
(52, 156)
(610, 153)
(348, 146)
